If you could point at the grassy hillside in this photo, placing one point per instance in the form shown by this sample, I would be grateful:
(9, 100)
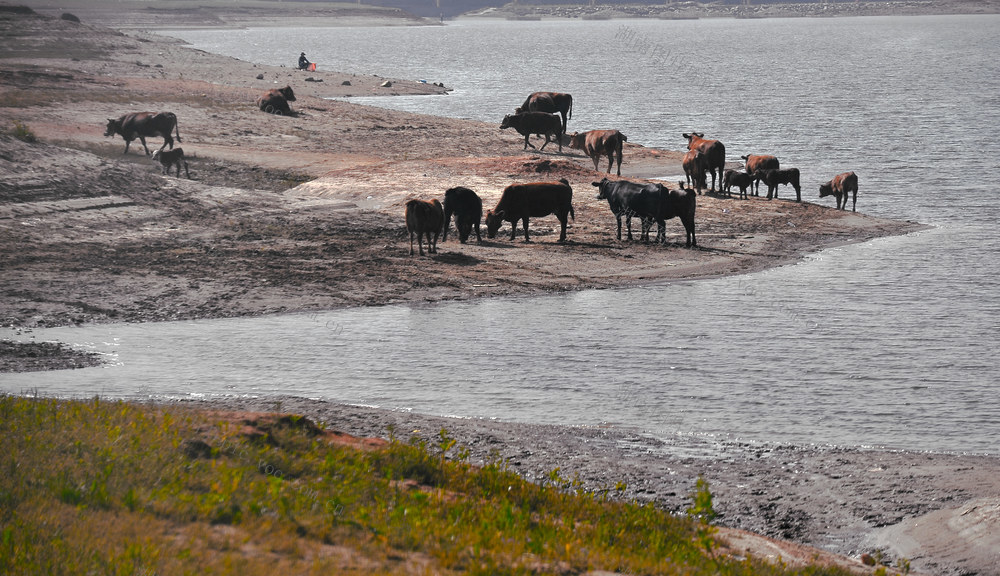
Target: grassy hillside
(99, 487)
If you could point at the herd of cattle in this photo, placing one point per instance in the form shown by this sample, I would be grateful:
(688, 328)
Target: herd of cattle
(544, 114)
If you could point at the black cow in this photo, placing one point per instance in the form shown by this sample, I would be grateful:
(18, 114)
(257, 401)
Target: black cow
(171, 158)
(627, 199)
(540, 123)
(840, 186)
(535, 199)
(468, 210)
(756, 164)
(782, 176)
(714, 151)
(736, 178)
(142, 124)
(551, 102)
(424, 217)
(679, 203)
(275, 100)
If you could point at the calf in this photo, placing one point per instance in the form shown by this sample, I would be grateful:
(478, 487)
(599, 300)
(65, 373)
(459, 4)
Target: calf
(597, 143)
(535, 199)
(737, 178)
(468, 210)
(540, 123)
(628, 199)
(695, 165)
(680, 203)
(840, 187)
(424, 217)
(782, 176)
(169, 158)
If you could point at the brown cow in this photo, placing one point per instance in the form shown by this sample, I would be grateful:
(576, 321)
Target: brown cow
(695, 164)
(171, 158)
(597, 143)
(142, 124)
(551, 102)
(839, 187)
(424, 217)
(756, 164)
(275, 100)
(535, 199)
(714, 151)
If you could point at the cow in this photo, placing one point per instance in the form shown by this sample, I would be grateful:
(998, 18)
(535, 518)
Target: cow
(840, 187)
(782, 176)
(551, 102)
(468, 210)
(630, 199)
(534, 199)
(678, 203)
(540, 123)
(142, 124)
(169, 158)
(695, 164)
(755, 166)
(597, 143)
(714, 151)
(736, 178)
(424, 217)
(275, 100)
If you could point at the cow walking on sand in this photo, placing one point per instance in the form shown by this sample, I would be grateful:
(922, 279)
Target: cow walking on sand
(597, 143)
(424, 217)
(142, 124)
(535, 199)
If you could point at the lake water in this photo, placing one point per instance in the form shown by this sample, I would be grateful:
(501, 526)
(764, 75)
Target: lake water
(890, 342)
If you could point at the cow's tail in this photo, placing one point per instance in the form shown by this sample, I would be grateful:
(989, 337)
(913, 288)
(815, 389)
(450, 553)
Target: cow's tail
(569, 114)
(571, 213)
(177, 129)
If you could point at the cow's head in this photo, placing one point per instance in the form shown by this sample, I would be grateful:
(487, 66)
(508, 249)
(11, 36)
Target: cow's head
(287, 93)
(493, 222)
(826, 189)
(602, 190)
(157, 154)
(505, 123)
(692, 137)
(577, 141)
(114, 126)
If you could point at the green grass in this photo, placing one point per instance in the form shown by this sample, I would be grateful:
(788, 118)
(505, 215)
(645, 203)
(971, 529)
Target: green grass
(105, 487)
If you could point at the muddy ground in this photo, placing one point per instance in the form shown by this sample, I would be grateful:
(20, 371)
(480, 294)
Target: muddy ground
(304, 212)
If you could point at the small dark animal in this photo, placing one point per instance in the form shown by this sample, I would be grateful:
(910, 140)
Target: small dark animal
(169, 158)
(275, 100)
(755, 166)
(627, 199)
(679, 203)
(840, 187)
(782, 176)
(597, 143)
(142, 124)
(695, 165)
(714, 151)
(468, 210)
(539, 123)
(736, 178)
(551, 102)
(535, 199)
(424, 217)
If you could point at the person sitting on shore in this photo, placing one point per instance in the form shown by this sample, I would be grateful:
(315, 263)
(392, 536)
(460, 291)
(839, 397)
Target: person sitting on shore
(303, 62)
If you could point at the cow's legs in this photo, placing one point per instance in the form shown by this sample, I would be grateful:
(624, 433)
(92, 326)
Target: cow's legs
(619, 218)
(854, 202)
(526, 143)
(411, 243)
(619, 163)
(526, 238)
(143, 140)
(562, 221)
(513, 229)
(628, 226)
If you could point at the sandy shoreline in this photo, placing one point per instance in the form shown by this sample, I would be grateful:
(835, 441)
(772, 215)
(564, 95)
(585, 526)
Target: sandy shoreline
(275, 220)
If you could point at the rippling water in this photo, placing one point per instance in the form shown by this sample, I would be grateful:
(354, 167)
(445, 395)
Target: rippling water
(890, 342)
